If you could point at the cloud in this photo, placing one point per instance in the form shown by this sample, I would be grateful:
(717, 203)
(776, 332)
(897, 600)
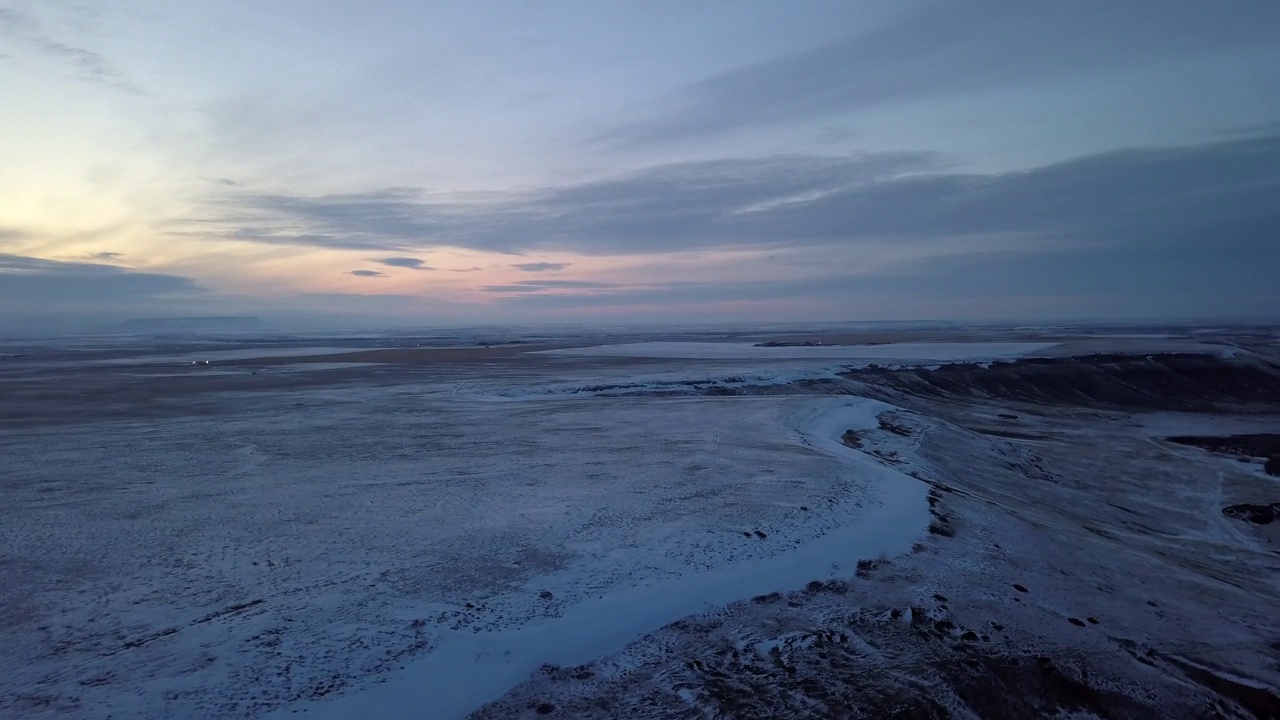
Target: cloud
(367, 273)
(952, 47)
(1157, 200)
(676, 293)
(540, 266)
(411, 263)
(1071, 283)
(390, 219)
(654, 210)
(564, 284)
(1145, 194)
(35, 282)
(104, 256)
(541, 285)
(23, 29)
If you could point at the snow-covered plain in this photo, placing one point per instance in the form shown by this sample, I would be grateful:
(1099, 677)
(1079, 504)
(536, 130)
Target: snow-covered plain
(217, 355)
(556, 532)
(921, 352)
(466, 669)
(426, 539)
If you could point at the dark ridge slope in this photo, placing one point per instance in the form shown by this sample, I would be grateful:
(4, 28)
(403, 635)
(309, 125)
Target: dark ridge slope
(1183, 382)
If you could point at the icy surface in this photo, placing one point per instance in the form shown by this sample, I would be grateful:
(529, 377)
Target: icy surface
(464, 669)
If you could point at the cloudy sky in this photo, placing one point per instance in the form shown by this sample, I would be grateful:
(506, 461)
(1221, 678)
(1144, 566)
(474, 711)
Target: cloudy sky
(422, 163)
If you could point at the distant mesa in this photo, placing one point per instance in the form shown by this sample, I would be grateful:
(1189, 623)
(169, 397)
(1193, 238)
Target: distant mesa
(193, 324)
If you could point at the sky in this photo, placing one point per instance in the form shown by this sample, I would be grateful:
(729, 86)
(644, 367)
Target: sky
(399, 163)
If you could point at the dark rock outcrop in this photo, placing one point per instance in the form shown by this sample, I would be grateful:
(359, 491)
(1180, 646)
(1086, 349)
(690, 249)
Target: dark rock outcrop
(1185, 382)
(1257, 514)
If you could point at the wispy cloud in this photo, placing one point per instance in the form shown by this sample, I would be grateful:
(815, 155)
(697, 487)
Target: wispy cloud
(540, 266)
(947, 48)
(21, 29)
(410, 263)
(391, 219)
(1161, 199)
(654, 210)
(542, 285)
(367, 273)
(36, 281)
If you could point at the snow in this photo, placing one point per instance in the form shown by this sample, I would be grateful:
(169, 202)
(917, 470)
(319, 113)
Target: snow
(412, 525)
(419, 543)
(465, 670)
(1090, 548)
(319, 366)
